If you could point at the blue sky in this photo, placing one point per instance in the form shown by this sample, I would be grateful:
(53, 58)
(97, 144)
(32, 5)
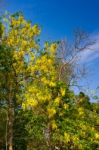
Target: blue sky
(58, 19)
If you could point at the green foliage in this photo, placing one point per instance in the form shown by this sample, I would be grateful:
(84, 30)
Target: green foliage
(47, 114)
(20, 134)
(3, 117)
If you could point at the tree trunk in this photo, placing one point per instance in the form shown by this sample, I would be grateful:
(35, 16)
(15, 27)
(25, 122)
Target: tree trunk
(47, 135)
(10, 129)
(10, 120)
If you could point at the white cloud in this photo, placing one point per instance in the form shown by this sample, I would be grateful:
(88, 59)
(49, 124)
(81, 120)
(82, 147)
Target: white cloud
(93, 53)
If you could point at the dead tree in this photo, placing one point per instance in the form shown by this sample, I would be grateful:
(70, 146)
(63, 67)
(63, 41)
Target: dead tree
(68, 56)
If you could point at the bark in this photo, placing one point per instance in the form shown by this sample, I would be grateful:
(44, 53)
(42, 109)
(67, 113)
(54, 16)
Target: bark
(10, 120)
(47, 134)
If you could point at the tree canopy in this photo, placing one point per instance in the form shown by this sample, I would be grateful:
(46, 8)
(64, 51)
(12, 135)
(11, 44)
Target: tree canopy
(40, 111)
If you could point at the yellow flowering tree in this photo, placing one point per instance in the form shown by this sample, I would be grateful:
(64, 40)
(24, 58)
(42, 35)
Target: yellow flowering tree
(29, 80)
(16, 54)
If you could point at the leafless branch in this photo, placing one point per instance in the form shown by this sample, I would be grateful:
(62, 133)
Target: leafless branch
(68, 56)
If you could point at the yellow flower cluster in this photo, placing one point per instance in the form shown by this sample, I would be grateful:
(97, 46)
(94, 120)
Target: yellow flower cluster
(40, 94)
(57, 101)
(66, 137)
(30, 103)
(48, 82)
(75, 138)
(21, 39)
(97, 136)
(81, 111)
(51, 112)
(36, 30)
(62, 91)
(53, 48)
(16, 22)
(66, 106)
(22, 33)
(53, 124)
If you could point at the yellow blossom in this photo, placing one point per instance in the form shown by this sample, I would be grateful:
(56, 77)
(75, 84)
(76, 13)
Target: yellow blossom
(24, 43)
(52, 84)
(53, 48)
(97, 135)
(57, 101)
(66, 106)
(81, 111)
(36, 29)
(53, 124)
(66, 137)
(62, 91)
(10, 42)
(75, 138)
(51, 112)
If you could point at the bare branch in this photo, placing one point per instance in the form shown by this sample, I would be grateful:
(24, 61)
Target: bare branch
(68, 54)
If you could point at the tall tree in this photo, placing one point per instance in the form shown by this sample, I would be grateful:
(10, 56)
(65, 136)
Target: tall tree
(16, 47)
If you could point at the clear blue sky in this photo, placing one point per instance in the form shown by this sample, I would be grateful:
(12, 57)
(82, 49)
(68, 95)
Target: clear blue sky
(58, 19)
